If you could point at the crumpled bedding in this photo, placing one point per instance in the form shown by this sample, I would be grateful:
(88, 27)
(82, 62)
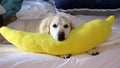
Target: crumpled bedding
(109, 57)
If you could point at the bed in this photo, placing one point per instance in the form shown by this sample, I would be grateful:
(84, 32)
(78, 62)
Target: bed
(109, 57)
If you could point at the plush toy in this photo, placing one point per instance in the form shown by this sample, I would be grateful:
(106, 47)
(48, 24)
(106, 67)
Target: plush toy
(81, 39)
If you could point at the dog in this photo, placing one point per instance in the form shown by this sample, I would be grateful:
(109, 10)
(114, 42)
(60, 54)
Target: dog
(59, 28)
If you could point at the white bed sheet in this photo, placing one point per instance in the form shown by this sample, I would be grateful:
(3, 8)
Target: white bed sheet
(109, 57)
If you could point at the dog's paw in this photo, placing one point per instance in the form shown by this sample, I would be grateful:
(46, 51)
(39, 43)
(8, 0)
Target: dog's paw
(93, 52)
(65, 56)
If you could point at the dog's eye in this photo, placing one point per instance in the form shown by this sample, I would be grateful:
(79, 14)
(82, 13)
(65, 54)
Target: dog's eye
(55, 26)
(65, 26)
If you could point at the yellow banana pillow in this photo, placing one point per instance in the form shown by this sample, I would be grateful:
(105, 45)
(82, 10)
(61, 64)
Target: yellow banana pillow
(81, 39)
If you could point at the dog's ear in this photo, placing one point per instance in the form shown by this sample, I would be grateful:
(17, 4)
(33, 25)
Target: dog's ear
(45, 25)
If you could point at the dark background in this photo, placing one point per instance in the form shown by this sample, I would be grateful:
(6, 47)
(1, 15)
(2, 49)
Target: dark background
(92, 4)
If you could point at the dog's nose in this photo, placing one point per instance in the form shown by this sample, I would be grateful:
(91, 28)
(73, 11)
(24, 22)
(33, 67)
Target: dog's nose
(61, 36)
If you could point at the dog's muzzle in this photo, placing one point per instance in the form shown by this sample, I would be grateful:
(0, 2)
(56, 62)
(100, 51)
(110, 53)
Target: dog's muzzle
(61, 36)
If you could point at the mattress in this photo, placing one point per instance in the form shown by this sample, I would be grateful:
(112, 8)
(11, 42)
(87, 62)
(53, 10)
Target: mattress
(109, 57)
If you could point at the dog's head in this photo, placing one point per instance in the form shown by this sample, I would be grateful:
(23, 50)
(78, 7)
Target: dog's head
(57, 26)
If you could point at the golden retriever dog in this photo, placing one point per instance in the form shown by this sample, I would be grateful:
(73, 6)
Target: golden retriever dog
(59, 28)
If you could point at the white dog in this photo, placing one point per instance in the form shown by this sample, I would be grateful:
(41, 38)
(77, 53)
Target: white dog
(59, 28)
